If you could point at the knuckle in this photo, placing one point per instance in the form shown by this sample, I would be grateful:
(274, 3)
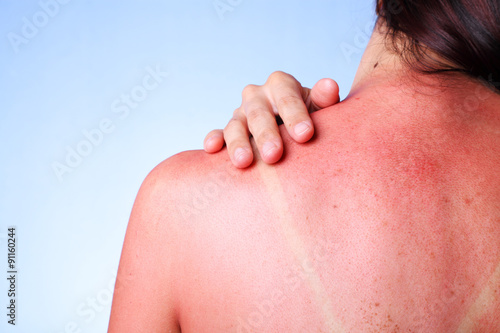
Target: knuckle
(254, 112)
(279, 77)
(231, 123)
(289, 100)
(249, 90)
(237, 114)
(266, 134)
(235, 141)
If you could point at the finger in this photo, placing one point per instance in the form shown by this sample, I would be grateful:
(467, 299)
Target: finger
(287, 95)
(214, 141)
(262, 124)
(325, 93)
(237, 140)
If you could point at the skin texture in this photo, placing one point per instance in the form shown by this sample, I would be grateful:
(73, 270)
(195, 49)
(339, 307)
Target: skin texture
(388, 220)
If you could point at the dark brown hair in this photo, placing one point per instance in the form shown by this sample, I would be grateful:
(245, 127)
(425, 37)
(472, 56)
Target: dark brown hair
(465, 34)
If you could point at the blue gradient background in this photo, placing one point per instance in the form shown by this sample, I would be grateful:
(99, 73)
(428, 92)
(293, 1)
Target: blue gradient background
(65, 79)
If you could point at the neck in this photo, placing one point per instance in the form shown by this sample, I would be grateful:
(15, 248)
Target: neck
(381, 67)
(378, 62)
(389, 84)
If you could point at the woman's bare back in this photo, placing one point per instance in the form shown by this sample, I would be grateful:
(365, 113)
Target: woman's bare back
(388, 221)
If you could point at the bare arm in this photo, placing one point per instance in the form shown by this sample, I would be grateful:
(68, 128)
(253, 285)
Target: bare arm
(144, 299)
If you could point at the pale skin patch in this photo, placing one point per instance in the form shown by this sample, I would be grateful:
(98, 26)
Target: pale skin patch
(295, 243)
(482, 303)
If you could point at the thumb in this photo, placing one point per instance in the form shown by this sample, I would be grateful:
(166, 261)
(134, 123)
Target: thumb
(325, 93)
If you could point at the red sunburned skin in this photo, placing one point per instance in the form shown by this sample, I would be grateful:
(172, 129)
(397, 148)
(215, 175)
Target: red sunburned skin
(388, 220)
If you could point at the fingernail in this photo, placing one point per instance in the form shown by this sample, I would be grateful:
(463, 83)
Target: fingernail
(240, 153)
(302, 127)
(268, 148)
(207, 143)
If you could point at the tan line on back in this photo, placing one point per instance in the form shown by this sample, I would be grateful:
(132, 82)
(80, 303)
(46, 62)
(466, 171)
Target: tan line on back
(295, 243)
(481, 304)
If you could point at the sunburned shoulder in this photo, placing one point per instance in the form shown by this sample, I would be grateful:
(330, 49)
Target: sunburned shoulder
(193, 180)
(182, 165)
(196, 167)
(180, 169)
